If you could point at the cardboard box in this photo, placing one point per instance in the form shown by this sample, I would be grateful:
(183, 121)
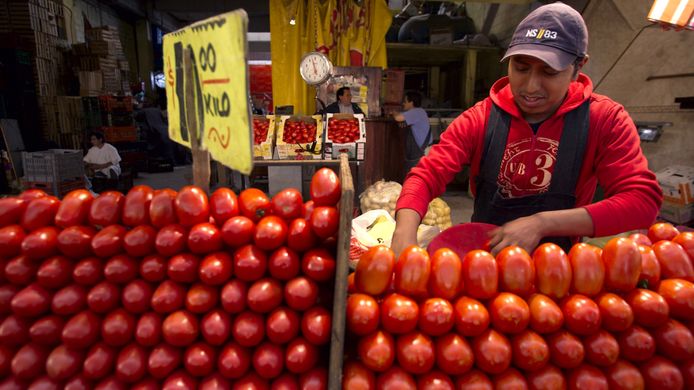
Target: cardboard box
(677, 213)
(677, 183)
(309, 145)
(263, 142)
(355, 143)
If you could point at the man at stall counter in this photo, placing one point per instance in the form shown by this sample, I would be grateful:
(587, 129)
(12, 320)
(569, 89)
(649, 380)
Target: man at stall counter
(416, 120)
(343, 104)
(537, 147)
(102, 158)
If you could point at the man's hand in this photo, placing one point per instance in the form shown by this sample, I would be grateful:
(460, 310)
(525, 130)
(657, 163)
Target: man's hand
(405, 234)
(524, 232)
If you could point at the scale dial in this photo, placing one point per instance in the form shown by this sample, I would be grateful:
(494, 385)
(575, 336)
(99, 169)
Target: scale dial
(315, 68)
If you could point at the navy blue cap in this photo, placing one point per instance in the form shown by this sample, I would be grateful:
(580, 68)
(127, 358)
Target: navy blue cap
(554, 33)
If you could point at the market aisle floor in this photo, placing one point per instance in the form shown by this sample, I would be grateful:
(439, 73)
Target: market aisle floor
(459, 201)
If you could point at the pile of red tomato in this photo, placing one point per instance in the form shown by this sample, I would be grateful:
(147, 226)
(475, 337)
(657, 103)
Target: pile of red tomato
(343, 131)
(620, 317)
(299, 132)
(261, 127)
(166, 289)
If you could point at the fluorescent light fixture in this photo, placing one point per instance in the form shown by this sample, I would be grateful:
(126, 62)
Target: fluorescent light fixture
(258, 37)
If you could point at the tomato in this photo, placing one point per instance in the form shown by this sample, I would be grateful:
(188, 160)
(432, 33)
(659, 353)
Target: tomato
(54, 272)
(307, 209)
(131, 363)
(118, 328)
(375, 270)
(686, 240)
(509, 313)
(106, 209)
(201, 298)
(88, 272)
(601, 349)
(20, 271)
(492, 352)
(530, 351)
(120, 269)
(63, 363)
(659, 373)
(357, 377)
(641, 239)
(435, 380)
(325, 187)
(75, 241)
(238, 231)
(46, 331)
(180, 328)
(103, 297)
(679, 295)
(565, 349)
(318, 264)
(183, 268)
(199, 359)
(687, 370)
(264, 295)
(545, 315)
(316, 325)
(214, 382)
(148, 330)
(650, 268)
(516, 271)
(399, 314)
(636, 344)
(13, 331)
(139, 241)
(69, 300)
(31, 194)
(622, 264)
(615, 312)
(40, 212)
(31, 301)
(171, 240)
(11, 210)
(581, 315)
(300, 236)
(162, 210)
(168, 297)
(553, 271)
(234, 361)
(674, 341)
(233, 296)
(624, 376)
(454, 355)
(510, 379)
(179, 380)
(74, 209)
(377, 351)
(480, 274)
(474, 380)
(650, 309)
(11, 238)
(204, 238)
(81, 331)
(136, 206)
(300, 293)
(136, 297)
(363, 314)
(287, 204)
(284, 264)
(662, 231)
(153, 268)
(548, 377)
(28, 362)
(412, 271)
(99, 361)
(108, 241)
(41, 243)
(270, 233)
(471, 317)
(415, 352)
(248, 329)
(268, 360)
(588, 269)
(300, 356)
(223, 205)
(324, 221)
(215, 327)
(215, 269)
(282, 325)
(587, 377)
(254, 204)
(436, 317)
(192, 206)
(674, 261)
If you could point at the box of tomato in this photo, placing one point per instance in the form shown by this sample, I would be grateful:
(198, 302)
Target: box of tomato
(346, 133)
(263, 136)
(299, 137)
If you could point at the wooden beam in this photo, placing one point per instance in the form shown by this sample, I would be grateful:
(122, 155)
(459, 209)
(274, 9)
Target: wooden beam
(470, 76)
(201, 158)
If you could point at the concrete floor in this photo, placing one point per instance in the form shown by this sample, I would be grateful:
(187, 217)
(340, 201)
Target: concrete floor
(460, 202)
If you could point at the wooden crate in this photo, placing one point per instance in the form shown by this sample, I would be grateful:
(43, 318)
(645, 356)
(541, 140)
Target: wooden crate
(70, 115)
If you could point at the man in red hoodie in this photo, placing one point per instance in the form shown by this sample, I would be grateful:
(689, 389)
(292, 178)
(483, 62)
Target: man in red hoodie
(537, 147)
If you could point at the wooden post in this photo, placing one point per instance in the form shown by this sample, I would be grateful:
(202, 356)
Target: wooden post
(337, 341)
(201, 158)
(470, 76)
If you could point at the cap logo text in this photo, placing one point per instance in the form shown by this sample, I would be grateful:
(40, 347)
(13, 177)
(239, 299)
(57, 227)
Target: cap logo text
(541, 33)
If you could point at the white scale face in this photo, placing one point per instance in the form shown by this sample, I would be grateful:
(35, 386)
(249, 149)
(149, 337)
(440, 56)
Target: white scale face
(315, 68)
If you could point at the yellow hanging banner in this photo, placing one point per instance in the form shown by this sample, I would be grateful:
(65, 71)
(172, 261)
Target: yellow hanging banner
(220, 83)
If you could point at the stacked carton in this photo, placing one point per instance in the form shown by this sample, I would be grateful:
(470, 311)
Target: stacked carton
(677, 183)
(101, 63)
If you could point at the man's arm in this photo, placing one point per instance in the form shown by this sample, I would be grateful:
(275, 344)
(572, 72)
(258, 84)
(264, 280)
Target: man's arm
(398, 116)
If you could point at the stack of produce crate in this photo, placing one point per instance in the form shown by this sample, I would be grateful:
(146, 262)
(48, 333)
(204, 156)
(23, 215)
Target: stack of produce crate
(101, 62)
(677, 183)
(117, 118)
(55, 171)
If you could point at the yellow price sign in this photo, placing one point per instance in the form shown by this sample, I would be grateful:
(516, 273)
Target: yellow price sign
(220, 84)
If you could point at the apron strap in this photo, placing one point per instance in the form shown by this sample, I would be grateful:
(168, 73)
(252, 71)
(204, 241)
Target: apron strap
(495, 138)
(572, 145)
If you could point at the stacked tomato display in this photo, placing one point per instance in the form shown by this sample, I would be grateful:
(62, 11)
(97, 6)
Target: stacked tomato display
(165, 289)
(550, 321)
(299, 132)
(343, 131)
(261, 127)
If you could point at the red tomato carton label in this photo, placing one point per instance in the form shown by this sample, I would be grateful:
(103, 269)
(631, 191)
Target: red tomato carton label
(346, 133)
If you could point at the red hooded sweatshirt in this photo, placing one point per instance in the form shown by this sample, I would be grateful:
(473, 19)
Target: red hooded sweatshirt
(613, 158)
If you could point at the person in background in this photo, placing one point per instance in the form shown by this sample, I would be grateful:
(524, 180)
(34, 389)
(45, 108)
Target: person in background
(102, 159)
(537, 147)
(343, 104)
(416, 120)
